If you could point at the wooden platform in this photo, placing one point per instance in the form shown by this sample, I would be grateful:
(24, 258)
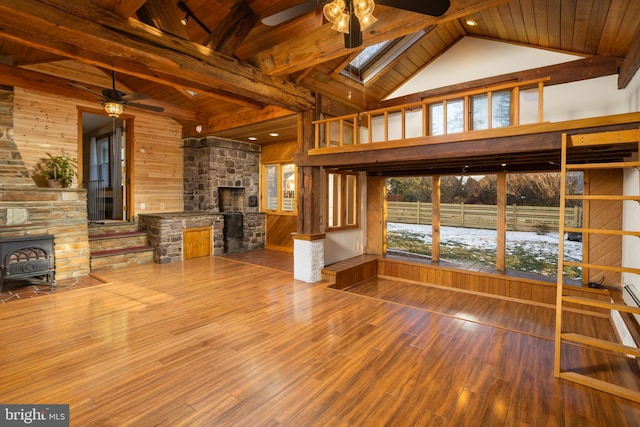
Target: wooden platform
(350, 271)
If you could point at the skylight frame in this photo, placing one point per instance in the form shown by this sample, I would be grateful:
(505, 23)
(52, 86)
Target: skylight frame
(381, 58)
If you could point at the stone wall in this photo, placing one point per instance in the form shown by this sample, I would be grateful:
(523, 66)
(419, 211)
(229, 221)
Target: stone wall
(32, 211)
(12, 169)
(211, 163)
(254, 230)
(165, 231)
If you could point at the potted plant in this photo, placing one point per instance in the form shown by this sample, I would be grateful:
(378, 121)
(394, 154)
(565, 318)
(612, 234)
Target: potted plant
(58, 170)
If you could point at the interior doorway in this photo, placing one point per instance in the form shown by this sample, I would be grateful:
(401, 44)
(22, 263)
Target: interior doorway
(105, 166)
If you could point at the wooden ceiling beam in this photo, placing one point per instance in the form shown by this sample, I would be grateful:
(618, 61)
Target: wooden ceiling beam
(122, 8)
(33, 80)
(323, 43)
(80, 31)
(631, 63)
(161, 14)
(238, 119)
(232, 30)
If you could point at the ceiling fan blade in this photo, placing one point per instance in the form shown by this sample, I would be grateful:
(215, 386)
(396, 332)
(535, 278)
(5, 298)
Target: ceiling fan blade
(290, 13)
(145, 106)
(135, 96)
(430, 7)
(76, 85)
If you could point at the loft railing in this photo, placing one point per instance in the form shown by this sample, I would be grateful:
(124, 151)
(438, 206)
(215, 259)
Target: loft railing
(505, 105)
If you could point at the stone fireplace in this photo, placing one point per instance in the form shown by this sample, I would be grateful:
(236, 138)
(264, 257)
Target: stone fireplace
(223, 176)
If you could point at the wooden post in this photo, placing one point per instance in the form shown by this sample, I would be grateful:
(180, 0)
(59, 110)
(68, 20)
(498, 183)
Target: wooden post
(501, 228)
(435, 218)
(308, 184)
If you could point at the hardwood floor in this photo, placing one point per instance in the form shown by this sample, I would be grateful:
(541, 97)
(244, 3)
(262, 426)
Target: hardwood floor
(213, 341)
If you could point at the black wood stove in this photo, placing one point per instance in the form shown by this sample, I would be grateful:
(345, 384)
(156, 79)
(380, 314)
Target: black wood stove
(27, 256)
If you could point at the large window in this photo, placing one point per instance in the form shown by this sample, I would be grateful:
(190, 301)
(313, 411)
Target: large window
(342, 201)
(279, 189)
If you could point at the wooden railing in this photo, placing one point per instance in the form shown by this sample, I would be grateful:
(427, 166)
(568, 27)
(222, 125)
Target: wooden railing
(414, 120)
(519, 218)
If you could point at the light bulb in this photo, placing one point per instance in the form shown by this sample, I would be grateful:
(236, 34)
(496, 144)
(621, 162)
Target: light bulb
(342, 23)
(333, 10)
(367, 21)
(363, 8)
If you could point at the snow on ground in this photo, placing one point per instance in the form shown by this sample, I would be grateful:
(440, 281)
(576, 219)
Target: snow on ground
(543, 247)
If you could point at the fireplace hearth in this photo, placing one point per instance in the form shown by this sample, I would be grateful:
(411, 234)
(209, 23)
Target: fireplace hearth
(27, 256)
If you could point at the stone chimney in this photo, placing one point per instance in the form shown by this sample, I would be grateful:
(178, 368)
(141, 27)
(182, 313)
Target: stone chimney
(13, 171)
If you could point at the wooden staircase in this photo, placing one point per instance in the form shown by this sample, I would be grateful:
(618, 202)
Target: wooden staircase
(118, 245)
(564, 300)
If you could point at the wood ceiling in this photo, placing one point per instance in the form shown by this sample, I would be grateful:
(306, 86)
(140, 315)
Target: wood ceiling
(246, 72)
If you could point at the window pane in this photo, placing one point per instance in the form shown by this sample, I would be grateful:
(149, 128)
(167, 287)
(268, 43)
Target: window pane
(333, 200)
(529, 106)
(271, 172)
(501, 109)
(480, 112)
(455, 116)
(351, 199)
(288, 187)
(436, 119)
(413, 123)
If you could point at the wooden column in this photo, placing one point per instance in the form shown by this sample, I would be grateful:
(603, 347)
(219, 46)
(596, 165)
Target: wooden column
(501, 227)
(376, 215)
(308, 184)
(435, 218)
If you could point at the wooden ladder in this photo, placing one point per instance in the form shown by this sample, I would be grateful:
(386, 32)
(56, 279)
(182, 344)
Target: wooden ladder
(592, 140)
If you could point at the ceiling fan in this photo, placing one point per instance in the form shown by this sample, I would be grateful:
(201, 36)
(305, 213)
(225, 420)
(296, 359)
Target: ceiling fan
(352, 16)
(114, 100)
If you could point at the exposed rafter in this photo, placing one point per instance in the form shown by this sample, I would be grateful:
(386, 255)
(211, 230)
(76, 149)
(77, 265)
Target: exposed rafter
(142, 51)
(323, 44)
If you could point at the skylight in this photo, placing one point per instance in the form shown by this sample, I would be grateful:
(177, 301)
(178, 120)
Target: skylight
(373, 59)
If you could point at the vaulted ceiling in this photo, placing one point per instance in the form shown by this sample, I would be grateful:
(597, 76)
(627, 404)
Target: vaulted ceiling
(230, 69)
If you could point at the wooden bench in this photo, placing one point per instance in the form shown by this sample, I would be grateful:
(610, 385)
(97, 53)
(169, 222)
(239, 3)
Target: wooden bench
(351, 271)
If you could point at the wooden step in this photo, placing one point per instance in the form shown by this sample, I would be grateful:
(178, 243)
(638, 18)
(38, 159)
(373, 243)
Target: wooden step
(351, 271)
(601, 344)
(119, 258)
(597, 384)
(112, 227)
(104, 242)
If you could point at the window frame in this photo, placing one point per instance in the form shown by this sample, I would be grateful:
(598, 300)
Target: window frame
(344, 209)
(280, 188)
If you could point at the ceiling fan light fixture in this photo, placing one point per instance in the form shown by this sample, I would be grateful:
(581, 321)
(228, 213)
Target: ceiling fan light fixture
(332, 11)
(113, 109)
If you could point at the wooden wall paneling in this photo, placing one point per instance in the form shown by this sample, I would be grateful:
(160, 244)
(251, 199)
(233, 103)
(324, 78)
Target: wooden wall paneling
(605, 214)
(279, 231)
(157, 163)
(278, 152)
(44, 124)
(493, 284)
(375, 215)
(48, 124)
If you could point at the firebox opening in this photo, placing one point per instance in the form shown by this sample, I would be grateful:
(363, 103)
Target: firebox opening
(230, 199)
